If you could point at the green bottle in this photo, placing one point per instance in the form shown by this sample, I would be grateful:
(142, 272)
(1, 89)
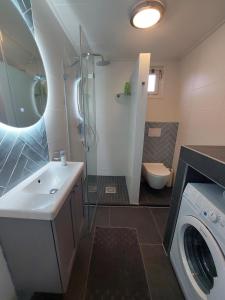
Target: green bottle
(127, 89)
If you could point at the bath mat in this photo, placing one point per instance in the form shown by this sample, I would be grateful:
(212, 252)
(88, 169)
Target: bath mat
(116, 268)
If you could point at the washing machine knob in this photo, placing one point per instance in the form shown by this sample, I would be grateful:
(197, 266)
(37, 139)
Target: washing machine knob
(213, 217)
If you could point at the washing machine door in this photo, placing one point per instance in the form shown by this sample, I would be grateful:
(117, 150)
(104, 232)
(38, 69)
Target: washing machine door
(202, 259)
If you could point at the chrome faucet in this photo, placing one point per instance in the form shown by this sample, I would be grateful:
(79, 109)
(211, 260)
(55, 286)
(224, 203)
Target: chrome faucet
(56, 156)
(59, 156)
(63, 157)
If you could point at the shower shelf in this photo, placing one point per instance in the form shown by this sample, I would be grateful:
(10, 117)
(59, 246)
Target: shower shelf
(122, 95)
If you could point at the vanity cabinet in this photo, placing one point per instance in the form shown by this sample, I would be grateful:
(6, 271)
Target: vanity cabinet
(40, 253)
(77, 210)
(64, 240)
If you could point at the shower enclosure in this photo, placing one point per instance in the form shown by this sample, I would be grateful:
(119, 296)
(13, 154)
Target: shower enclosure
(89, 128)
(81, 113)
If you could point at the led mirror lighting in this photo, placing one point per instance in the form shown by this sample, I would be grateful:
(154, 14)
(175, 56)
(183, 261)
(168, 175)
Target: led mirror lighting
(146, 14)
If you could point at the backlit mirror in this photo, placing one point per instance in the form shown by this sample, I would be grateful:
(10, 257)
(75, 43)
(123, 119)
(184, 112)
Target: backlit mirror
(23, 85)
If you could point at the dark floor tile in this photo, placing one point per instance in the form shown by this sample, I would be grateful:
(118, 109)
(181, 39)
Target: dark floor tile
(162, 280)
(153, 197)
(139, 218)
(161, 216)
(102, 216)
(77, 285)
(99, 215)
(99, 183)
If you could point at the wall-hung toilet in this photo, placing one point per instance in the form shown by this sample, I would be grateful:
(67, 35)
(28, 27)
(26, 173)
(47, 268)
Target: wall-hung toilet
(156, 174)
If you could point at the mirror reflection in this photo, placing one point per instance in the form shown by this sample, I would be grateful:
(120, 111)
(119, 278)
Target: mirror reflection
(23, 85)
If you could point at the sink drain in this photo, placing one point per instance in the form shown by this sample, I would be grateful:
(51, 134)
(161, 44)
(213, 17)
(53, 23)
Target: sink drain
(53, 191)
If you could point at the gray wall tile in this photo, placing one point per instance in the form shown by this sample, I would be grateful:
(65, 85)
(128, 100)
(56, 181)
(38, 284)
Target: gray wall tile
(6, 146)
(10, 163)
(2, 134)
(21, 154)
(160, 149)
(18, 171)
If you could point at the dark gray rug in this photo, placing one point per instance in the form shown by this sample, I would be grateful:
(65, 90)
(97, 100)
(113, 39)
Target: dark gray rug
(116, 268)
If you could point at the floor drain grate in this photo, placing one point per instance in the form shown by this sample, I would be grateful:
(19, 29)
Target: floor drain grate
(110, 190)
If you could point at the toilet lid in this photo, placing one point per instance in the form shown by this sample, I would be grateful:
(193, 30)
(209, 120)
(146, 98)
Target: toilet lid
(157, 169)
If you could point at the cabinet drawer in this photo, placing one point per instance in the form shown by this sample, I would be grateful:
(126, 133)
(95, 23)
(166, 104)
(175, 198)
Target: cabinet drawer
(64, 240)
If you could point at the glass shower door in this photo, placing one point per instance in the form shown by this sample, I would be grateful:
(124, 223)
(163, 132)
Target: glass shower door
(89, 129)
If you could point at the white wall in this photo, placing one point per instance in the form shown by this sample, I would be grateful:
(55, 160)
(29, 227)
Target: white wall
(136, 123)
(76, 147)
(112, 117)
(202, 98)
(52, 42)
(165, 107)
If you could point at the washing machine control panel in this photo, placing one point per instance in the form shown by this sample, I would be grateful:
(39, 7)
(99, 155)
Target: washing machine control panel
(211, 215)
(209, 212)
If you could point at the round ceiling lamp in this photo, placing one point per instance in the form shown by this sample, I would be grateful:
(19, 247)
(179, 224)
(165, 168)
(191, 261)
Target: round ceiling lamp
(147, 13)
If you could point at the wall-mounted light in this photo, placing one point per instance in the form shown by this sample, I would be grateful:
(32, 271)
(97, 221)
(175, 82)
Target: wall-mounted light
(147, 13)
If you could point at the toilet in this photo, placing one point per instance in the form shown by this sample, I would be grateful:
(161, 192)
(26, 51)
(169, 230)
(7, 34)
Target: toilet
(156, 174)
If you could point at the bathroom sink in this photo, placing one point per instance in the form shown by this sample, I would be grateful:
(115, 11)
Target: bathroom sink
(50, 181)
(41, 195)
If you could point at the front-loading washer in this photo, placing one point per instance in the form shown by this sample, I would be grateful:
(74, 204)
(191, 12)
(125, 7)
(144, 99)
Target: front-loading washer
(198, 247)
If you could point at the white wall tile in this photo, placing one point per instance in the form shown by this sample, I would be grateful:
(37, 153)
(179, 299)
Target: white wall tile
(165, 108)
(202, 95)
(112, 118)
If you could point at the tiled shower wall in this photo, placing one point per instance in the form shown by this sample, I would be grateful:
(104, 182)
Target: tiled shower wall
(160, 149)
(21, 153)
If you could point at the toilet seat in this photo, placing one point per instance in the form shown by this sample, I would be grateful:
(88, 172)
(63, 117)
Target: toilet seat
(156, 169)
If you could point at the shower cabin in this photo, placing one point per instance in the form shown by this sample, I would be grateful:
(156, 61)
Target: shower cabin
(91, 123)
(79, 78)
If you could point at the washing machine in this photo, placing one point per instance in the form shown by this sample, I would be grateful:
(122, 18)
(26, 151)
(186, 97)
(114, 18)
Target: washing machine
(198, 247)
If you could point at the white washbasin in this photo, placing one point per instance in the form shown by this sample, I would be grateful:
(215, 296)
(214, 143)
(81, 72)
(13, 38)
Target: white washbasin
(51, 179)
(31, 199)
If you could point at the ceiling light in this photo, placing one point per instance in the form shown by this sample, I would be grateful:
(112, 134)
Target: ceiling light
(146, 13)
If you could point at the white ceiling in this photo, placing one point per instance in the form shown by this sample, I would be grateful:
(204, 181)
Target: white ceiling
(106, 23)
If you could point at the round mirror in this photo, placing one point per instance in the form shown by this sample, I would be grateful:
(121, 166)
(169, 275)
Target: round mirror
(23, 85)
